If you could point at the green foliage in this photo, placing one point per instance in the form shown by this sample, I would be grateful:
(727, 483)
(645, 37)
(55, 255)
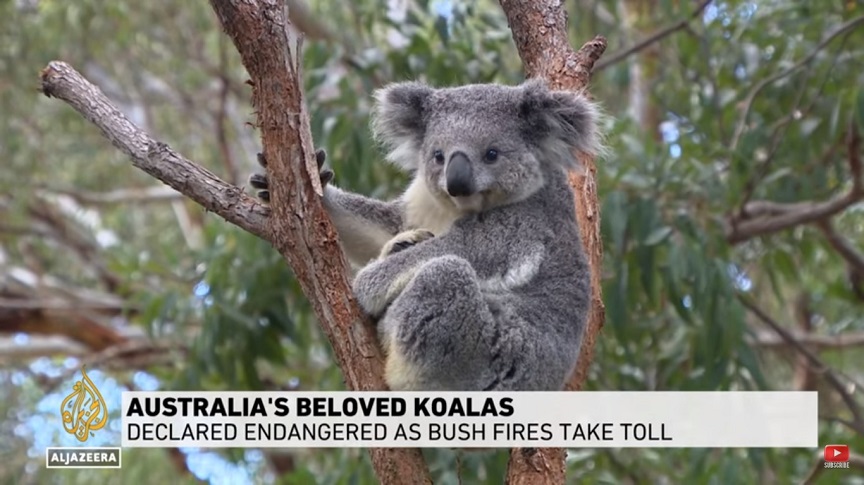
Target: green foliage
(733, 113)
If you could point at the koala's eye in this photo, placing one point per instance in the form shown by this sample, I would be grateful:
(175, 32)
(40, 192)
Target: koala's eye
(491, 155)
(439, 156)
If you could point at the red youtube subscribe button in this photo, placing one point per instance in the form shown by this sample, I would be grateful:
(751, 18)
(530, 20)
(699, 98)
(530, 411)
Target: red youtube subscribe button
(837, 453)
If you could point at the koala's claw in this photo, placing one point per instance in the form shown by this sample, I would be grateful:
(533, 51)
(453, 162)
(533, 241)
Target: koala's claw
(326, 175)
(320, 157)
(405, 240)
(259, 181)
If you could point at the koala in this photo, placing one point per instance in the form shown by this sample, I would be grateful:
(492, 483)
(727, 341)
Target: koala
(475, 274)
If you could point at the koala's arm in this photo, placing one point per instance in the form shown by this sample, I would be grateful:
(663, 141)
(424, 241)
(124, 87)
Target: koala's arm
(364, 224)
(380, 282)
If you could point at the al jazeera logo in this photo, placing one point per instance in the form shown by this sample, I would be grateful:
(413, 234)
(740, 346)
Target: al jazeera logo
(83, 413)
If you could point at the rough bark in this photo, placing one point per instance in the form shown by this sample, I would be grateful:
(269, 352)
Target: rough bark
(539, 30)
(299, 228)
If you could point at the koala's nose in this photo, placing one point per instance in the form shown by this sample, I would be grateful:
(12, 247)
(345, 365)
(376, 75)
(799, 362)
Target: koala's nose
(460, 177)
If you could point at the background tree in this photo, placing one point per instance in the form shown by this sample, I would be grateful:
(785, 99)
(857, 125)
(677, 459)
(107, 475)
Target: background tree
(731, 217)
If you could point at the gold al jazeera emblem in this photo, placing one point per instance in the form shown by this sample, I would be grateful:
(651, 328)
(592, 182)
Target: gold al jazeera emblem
(84, 410)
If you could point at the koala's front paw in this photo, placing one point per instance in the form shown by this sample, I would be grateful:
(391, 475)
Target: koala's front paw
(326, 175)
(259, 181)
(405, 240)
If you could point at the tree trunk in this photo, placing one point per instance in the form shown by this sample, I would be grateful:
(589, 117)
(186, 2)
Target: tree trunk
(539, 29)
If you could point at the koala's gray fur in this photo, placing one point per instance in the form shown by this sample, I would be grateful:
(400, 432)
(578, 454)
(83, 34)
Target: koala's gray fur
(487, 288)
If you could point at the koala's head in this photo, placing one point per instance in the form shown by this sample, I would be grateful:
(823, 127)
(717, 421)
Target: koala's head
(481, 146)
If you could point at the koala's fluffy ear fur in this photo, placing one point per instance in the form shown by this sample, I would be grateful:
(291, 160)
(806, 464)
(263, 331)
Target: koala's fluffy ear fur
(399, 121)
(560, 121)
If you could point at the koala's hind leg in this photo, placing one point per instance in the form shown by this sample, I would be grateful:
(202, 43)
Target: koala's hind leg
(439, 333)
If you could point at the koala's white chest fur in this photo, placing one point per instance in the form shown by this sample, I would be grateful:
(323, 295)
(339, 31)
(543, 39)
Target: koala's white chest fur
(423, 211)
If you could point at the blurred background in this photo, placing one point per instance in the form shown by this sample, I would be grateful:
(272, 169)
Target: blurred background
(732, 223)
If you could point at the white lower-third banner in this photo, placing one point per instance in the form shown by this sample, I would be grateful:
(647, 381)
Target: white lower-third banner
(470, 419)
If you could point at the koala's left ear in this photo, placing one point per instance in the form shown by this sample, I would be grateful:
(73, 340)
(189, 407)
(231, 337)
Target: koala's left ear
(560, 121)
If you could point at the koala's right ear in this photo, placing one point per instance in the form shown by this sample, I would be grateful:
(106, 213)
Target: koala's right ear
(399, 121)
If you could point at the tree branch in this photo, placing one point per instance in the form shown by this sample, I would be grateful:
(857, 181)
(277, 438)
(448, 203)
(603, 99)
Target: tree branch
(817, 342)
(61, 81)
(751, 96)
(843, 247)
(129, 353)
(69, 234)
(78, 326)
(789, 216)
(819, 366)
(141, 195)
(540, 32)
(619, 56)
(775, 216)
(854, 258)
(855, 461)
